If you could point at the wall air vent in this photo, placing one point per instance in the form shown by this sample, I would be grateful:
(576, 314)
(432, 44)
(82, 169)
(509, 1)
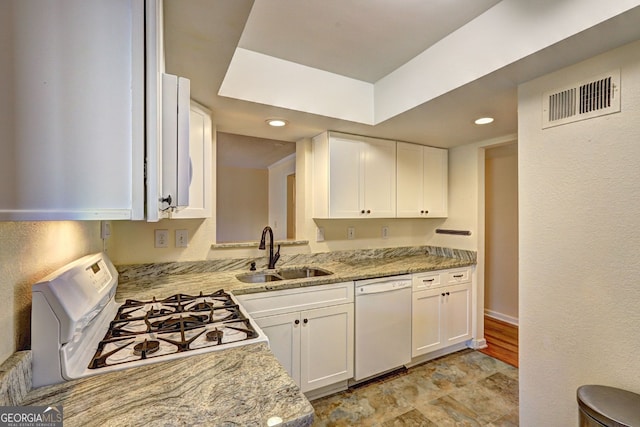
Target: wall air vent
(584, 100)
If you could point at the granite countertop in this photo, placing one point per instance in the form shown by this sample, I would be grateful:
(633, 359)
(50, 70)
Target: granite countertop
(243, 386)
(239, 386)
(194, 281)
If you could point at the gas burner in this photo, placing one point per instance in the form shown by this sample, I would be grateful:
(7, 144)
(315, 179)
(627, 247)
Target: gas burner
(167, 327)
(215, 335)
(146, 347)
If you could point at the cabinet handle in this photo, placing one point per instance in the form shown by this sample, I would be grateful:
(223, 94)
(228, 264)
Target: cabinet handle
(297, 321)
(426, 212)
(421, 212)
(442, 294)
(368, 211)
(306, 321)
(362, 211)
(428, 280)
(457, 276)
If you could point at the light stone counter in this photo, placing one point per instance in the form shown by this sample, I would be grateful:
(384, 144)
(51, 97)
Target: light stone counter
(145, 281)
(243, 386)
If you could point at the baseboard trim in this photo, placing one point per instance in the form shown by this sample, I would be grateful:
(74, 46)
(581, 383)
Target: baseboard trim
(326, 390)
(503, 317)
(478, 344)
(435, 354)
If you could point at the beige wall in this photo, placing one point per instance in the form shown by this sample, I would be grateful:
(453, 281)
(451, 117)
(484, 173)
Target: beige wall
(579, 202)
(243, 208)
(501, 231)
(28, 252)
(278, 173)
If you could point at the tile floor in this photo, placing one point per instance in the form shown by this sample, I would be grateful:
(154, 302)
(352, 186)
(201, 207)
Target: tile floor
(466, 388)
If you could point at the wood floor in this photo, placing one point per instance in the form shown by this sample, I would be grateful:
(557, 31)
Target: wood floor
(502, 340)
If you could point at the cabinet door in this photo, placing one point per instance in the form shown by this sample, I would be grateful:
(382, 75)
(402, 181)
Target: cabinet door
(410, 180)
(435, 188)
(283, 331)
(345, 157)
(200, 149)
(379, 179)
(75, 147)
(326, 346)
(457, 313)
(426, 325)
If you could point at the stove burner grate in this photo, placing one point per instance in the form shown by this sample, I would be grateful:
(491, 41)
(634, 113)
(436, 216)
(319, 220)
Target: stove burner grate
(157, 328)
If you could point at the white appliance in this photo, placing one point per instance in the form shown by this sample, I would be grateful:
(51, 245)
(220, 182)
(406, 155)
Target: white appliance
(383, 325)
(78, 329)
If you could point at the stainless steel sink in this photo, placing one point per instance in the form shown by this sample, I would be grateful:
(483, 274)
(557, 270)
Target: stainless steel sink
(282, 274)
(258, 277)
(302, 272)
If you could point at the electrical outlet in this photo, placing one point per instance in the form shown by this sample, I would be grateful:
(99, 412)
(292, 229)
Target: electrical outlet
(319, 234)
(162, 239)
(182, 238)
(351, 233)
(385, 232)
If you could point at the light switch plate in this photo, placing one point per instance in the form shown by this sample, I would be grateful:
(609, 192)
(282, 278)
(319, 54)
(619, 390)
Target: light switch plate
(105, 229)
(162, 239)
(182, 238)
(351, 233)
(385, 232)
(319, 234)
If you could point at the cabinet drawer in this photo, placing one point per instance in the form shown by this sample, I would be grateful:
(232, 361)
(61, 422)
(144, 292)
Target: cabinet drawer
(458, 276)
(422, 281)
(285, 301)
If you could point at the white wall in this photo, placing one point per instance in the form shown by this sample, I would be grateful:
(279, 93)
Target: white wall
(7, 117)
(579, 194)
(28, 252)
(501, 233)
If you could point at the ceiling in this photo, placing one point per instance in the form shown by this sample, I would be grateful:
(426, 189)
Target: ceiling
(364, 40)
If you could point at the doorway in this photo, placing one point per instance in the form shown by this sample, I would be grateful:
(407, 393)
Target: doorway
(501, 252)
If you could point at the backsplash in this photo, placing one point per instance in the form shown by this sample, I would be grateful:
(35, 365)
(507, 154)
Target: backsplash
(150, 270)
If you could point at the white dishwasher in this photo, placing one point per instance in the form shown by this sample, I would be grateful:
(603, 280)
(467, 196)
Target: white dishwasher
(383, 325)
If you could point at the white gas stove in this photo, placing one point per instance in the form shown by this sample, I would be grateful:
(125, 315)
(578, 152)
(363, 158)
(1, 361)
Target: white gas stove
(78, 329)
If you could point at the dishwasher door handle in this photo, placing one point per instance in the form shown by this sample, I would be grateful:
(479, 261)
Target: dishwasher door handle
(377, 288)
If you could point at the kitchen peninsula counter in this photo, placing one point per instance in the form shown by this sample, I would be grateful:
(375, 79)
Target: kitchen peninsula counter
(239, 386)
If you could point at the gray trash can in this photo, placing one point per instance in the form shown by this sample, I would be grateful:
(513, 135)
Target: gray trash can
(607, 406)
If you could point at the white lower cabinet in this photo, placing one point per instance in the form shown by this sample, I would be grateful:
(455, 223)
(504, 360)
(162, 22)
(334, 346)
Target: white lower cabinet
(441, 314)
(283, 331)
(311, 331)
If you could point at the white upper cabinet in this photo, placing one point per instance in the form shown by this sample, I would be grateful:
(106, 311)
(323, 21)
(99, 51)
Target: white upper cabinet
(200, 156)
(422, 178)
(73, 146)
(354, 177)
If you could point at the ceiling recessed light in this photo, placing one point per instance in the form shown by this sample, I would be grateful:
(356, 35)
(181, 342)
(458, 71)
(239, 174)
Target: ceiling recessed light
(276, 122)
(484, 120)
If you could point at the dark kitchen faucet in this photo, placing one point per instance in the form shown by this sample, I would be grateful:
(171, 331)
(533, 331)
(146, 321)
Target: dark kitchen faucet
(272, 258)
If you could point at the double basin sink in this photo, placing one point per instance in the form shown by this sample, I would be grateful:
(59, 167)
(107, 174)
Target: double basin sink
(282, 274)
